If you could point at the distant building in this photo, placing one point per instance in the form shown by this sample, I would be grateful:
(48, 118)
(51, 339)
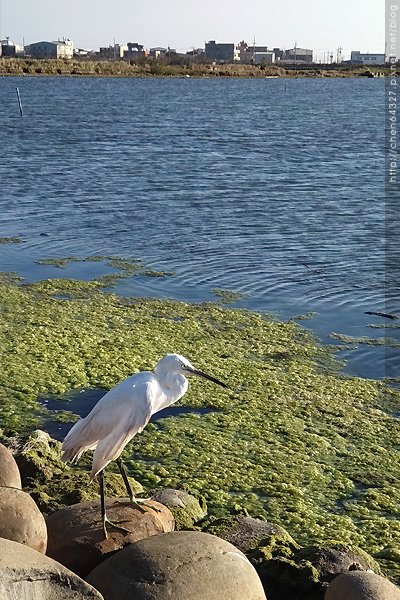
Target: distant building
(114, 52)
(9, 49)
(222, 53)
(159, 52)
(360, 58)
(196, 54)
(135, 50)
(256, 55)
(61, 49)
(82, 53)
(279, 54)
(298, 55)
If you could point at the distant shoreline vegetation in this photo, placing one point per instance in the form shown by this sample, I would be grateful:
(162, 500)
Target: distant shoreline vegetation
(163, 68)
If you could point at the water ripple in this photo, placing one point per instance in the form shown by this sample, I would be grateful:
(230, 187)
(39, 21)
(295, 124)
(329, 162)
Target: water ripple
(235, 184)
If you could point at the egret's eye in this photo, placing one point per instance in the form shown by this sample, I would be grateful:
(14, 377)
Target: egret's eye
(183, 366)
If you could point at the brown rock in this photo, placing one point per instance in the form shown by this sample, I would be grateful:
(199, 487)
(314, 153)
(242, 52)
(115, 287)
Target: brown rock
(361, 585)
(21, 520)
(28, 575)
(9, 472)
(181, 565)
(76, 537)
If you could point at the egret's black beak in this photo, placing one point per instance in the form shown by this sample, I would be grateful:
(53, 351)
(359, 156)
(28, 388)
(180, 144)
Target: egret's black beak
(205, 376)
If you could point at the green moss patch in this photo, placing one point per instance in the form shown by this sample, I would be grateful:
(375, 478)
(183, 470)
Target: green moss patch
(227, 296)
(11, 240)
(293, 440)
(126, 267)
(383, 341)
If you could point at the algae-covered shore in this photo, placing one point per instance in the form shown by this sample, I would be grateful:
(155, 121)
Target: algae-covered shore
(292, 440)
(160, 68)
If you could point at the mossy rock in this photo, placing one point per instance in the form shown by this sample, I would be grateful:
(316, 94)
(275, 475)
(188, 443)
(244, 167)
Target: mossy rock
(297, 579)
(308, 571)
(330, 560)
(248, 534)
(186, 508)
(389, 561)
(54, 484)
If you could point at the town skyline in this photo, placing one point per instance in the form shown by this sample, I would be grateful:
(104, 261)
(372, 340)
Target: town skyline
(322, 27)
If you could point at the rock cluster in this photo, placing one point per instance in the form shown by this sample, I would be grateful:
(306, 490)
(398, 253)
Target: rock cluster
(160, 553)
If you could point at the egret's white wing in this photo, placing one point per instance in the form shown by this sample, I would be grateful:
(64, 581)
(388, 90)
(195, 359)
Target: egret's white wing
(110, 447)
(122, 405)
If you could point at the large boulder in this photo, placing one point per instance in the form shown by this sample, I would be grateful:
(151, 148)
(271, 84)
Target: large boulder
(9, 472)
(27, 575)
(76, 537)
(361, 585)
(178, 565)
(186, 508)
(21, 520)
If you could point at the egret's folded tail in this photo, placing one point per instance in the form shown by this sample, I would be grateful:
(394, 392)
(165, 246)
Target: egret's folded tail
(78, 440)
(71, 455)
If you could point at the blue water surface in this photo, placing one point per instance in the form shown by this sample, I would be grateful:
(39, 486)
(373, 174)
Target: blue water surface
(270, 188)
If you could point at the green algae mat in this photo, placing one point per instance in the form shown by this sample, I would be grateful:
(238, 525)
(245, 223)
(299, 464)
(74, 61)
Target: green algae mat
(292, 440)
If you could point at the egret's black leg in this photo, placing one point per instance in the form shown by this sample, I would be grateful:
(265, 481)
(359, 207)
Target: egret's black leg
(102, 502)
(135, 501)
(122, 470)
(104, 518)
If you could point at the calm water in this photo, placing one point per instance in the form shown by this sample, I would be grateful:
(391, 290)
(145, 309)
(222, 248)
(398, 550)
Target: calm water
(235, 184)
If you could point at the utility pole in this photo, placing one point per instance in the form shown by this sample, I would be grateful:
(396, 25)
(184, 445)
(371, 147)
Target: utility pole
(295, 51)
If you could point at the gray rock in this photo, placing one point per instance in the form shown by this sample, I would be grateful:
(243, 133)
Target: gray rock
(28, 575)
(76, 537)
(21, 520)
(247, 533)
(361, 585)
(186, 508)
(9, 472)
(178, 566)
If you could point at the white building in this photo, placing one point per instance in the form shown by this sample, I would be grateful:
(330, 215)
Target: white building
(257, 55)
(366, 58)
(60, 49)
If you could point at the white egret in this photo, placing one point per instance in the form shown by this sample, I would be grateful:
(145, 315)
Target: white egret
(123, 412)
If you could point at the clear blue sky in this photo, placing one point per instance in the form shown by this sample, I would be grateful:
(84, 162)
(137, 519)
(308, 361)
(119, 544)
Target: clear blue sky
(318, 24)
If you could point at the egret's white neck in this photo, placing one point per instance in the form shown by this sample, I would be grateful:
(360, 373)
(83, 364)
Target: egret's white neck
(173, 384)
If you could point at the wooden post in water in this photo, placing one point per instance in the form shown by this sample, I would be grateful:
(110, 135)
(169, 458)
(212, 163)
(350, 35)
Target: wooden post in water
(19, 103)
